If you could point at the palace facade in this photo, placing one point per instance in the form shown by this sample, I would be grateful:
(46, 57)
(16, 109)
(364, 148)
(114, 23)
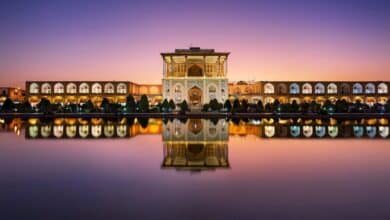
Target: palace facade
(199, 75)
(75, 92)
(195, 75)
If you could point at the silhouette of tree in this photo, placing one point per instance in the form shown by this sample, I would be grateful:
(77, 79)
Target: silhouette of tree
(130, 104)
(143, 104)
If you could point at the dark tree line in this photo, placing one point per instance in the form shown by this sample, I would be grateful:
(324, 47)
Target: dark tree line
(237, 106)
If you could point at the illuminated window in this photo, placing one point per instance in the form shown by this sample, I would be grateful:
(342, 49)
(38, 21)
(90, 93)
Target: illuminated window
(357, 88)
(382, 88)
(34, 88)
(370, 88)
(109, 88)
(46, 88)
(59, 88)
(307, 88)
(71, 88)
(332, 88)
(84, 88)
(269, 88)
(121, 88)
(294, 88)
(96, 88)
(319, 88)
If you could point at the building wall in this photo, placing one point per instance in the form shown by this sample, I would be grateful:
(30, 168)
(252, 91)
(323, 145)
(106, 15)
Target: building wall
(82, 91)
(288, 91)
(15, 94)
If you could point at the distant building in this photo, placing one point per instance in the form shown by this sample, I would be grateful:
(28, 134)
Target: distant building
(15, 94)
(65, 92)
(199, 75)
(307, 91)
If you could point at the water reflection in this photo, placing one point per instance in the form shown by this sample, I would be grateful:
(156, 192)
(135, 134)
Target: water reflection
(196, 130)
(195, 145)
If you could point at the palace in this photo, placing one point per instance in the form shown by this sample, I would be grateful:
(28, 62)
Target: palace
(197, 76)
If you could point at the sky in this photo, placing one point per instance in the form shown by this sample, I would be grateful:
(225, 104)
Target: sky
(122, 40)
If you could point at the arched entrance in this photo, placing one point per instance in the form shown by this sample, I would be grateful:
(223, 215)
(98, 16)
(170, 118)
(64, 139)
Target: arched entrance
(195, 71)
(195, 97)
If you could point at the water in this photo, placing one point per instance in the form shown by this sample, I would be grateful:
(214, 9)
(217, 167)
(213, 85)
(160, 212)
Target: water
(76, 169)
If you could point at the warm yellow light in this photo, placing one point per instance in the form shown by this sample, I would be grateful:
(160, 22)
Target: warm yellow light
(383, 121)
(58, 121)
(33, 121)
(371, 121)
(70, 121)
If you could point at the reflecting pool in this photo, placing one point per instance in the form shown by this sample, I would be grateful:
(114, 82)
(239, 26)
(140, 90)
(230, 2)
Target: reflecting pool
(194, 169)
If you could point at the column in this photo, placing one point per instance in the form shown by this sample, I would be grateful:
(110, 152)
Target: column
(172, 67)
(186, 67)
(219, 66)
(204, 66)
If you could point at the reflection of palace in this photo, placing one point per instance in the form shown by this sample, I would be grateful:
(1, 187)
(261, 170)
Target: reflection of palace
(199, 75)
(321, 131)
(96, 128)
(195, 145)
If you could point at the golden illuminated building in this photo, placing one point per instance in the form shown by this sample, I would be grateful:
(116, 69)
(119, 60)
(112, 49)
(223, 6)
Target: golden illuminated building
(195, 75)
(199, 75)
(74, 92)
(15, 94)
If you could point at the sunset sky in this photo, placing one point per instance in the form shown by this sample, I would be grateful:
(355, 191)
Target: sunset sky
(122, 40)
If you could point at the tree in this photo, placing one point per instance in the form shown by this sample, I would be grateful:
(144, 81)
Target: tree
(227, 105)
(165, 106)
(88, 107)
(387, 106)
(130, 104)
(276, 105)
(26, 107)
(8, 105)
(143, 104)
(215, 105)
(260, 107)
(44, 106)
(304, 107)
(244, 105)
(105, 105)
(294, 106)
(184, 107)
(236, 105)
(172, 105)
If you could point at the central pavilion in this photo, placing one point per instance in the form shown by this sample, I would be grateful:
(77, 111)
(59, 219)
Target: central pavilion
(195, 75)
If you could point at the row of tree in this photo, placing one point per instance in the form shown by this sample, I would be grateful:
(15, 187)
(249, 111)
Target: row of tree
(131, 106)
(340, 106)
(143, 106)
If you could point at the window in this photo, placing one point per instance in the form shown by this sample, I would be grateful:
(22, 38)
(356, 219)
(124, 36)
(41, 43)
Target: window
(307, 88)
(357, 88)
(269, 88)
(46, 88)
(109, 88)
(34, 88)
(319, 88)
(84, 88)
(294, 88)
(96, 88)
(332, 88)
(59, 88)
(121, 88)
(71, 88)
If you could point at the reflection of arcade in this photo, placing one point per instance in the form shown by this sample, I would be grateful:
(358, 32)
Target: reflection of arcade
(195, 145)
(94, 128)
